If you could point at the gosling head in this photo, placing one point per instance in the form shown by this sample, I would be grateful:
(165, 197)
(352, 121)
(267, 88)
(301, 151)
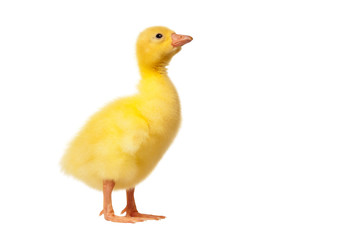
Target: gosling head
(157, 45)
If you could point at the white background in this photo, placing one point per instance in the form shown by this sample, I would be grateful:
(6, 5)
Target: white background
(266, 146)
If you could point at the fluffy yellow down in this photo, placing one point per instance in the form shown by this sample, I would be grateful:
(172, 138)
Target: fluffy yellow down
(125, 140)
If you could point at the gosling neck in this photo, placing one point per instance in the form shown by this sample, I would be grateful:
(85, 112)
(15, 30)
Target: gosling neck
(155, 81)
(155, 71)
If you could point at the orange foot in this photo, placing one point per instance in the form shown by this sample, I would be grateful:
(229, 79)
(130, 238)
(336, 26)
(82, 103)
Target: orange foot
(136, 214)
(114, 218)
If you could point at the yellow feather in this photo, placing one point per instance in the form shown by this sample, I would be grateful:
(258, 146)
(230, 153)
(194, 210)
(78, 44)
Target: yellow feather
(125, 140)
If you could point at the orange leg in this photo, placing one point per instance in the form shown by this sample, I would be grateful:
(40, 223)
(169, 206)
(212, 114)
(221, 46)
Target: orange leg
(108, 212)
(131, 210)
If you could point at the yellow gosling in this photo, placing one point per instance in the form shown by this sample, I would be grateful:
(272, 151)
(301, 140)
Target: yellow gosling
(121, 144)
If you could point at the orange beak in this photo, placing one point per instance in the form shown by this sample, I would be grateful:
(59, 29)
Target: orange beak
(179, 40)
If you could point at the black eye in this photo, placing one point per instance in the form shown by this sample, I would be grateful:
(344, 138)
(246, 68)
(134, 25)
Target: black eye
(159, 35)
